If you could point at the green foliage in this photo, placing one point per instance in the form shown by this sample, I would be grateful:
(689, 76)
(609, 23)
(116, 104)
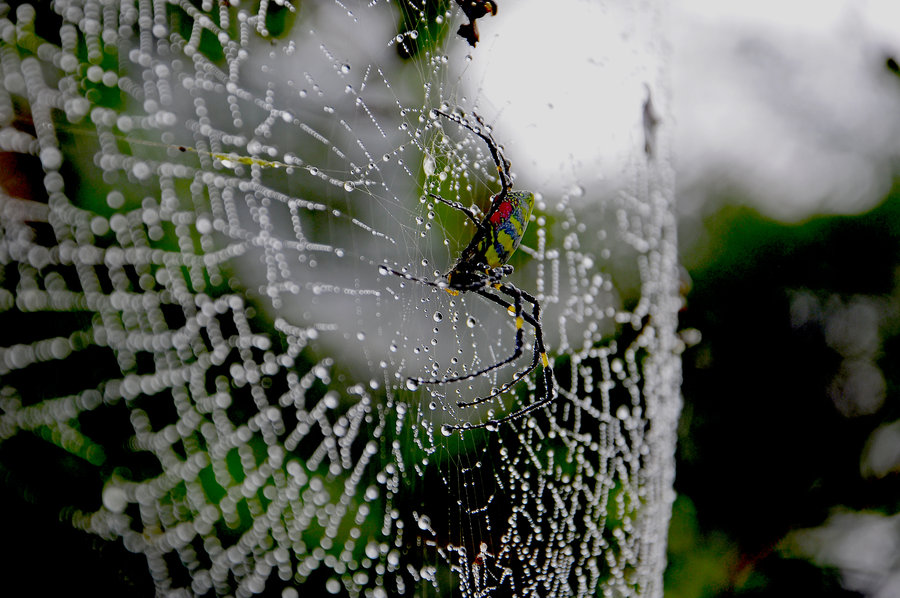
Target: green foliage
(422, 26)
(699, 564)
(764, 447)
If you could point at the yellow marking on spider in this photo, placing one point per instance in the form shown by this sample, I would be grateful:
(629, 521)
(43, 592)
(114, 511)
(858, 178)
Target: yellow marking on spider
(511, 309)
(520, 321)
(505, 239)
(452, 292)
(545, 360)
(492, 258)
(497, 286)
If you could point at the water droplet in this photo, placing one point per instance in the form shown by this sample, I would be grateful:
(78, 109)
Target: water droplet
(348, 186)
(447, 430)
(471, 322)
(383, 270)
(345, 68)
(438, 316)
(492, 426)
(412, 384)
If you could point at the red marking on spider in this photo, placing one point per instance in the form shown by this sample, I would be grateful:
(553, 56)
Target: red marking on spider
(502, 213)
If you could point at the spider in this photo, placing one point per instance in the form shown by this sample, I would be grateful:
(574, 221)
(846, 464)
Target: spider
(480, 269)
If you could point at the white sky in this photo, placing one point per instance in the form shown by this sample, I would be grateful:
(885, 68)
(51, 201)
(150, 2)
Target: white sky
(786, 105)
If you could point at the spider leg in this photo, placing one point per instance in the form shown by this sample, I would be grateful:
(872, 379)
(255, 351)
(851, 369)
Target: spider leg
(520, 322)
(489, 278)
(521, 374)
(540, 353)
(495, 275)
(438, 285)
(521, 318)
(540, 356)
(455, 204)
(512, 383)
(474, 287)
(494, 423)
(496, 153)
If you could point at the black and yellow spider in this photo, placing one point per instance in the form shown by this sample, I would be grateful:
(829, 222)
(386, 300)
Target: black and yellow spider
(480, 269)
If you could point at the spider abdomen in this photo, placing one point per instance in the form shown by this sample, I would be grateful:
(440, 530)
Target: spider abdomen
(507, 223)
(499, 237)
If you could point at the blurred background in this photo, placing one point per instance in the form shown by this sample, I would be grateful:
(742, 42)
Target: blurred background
(789, 222)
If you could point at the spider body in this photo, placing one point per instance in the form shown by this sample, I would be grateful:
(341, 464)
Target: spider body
(480, 269)
(496, 239)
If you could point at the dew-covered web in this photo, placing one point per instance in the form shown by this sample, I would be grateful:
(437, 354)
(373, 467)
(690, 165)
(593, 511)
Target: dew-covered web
(198, 203)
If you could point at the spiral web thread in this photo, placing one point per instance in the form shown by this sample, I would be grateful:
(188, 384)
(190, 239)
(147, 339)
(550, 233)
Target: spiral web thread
(192, 306)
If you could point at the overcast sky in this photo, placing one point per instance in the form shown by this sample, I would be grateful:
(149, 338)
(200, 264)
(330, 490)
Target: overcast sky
(784, 104)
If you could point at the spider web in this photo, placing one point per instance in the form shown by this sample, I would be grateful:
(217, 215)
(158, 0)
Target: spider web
(193, 304)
